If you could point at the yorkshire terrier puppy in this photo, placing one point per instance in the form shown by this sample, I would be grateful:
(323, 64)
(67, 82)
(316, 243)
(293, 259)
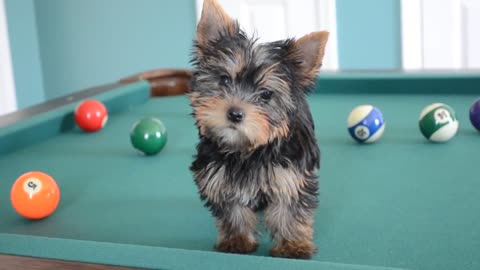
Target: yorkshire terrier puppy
(257, 149)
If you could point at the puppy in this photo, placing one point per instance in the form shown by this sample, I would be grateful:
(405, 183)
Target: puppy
(257, 150)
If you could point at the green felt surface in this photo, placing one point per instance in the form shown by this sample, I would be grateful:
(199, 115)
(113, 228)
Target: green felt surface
(401, 203)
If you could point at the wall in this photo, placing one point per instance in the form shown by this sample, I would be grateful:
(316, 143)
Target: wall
(369, 34)
(63, 46)
(90, 42)
(25, 52)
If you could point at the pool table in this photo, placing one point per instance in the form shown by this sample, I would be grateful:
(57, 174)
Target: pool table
(400, 203)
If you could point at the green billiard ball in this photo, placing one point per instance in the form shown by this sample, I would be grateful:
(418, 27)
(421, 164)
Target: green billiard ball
(438, 122)
(149, 136)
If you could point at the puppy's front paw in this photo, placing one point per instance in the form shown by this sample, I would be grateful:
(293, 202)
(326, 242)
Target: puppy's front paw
(294, 250)
(237, 244)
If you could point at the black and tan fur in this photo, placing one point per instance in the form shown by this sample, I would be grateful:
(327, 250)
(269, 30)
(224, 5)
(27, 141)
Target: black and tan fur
(257, 149)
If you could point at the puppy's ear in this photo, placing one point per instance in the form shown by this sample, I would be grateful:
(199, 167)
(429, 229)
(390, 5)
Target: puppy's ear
(310, 50)
(214, 22)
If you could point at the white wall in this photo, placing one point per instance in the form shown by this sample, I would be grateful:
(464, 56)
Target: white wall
(440, 34)
(273, 20)
(8, 101)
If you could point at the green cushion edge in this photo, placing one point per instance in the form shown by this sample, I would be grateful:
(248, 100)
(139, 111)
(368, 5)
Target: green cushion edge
(45, 125)
(383, 82)
(155, 257)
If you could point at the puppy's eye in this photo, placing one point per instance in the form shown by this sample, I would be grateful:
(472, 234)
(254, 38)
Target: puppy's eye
(225, 80)
(266, 95)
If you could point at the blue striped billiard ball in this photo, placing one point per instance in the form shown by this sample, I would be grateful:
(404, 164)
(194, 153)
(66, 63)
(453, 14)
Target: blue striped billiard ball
(366, 124)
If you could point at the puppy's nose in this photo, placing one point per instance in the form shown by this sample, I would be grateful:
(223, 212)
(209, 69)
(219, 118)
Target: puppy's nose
(235, 115)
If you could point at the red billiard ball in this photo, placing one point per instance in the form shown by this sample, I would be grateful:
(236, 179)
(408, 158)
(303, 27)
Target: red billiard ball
(91, 115)
(35, 195)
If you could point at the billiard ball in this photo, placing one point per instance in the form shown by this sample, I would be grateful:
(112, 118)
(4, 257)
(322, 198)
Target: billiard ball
(366, 124)
(438, 122)
(35, 195)
(148, 135)
(91, 115)
(475, 114)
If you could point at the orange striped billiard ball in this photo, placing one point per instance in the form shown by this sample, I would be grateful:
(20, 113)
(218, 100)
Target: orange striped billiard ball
(35, 195)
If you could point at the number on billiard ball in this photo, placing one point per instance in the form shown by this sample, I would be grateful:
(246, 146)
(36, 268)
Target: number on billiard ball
(35, 195)
(91, 115)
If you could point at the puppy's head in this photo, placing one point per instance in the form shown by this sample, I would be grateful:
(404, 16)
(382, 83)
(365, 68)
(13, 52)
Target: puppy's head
(244, 93)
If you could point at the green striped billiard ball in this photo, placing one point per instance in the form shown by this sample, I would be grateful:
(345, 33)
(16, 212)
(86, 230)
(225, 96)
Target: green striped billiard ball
(438, 122)
(149, 136)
